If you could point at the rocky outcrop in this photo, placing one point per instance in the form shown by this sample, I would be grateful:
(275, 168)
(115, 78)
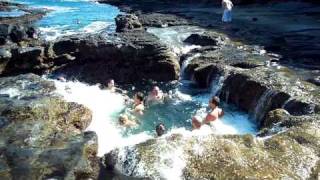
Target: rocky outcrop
(130, 55)
(250, 84)
(41, 134)
(125, 57)
(127, 22)
(287, 155)
(205, 39)
(161, 20)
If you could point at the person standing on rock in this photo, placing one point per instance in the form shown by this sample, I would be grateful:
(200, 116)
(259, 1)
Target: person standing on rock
(227, 6)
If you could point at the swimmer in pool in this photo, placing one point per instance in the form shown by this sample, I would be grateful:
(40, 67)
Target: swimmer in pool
(214, 114)
(160, 129)
(155, 96)
(112, 88)
(138, 105)
(126, 122)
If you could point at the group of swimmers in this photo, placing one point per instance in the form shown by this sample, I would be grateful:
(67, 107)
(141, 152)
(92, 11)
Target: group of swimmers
(131, 115)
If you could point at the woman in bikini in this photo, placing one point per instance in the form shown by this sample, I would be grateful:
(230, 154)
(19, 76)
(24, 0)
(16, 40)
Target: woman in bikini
(214, 114)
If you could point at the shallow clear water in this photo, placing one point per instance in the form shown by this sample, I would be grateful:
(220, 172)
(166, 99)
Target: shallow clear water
(73, 16)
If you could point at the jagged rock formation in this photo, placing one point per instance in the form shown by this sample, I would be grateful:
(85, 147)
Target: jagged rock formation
(42, 136)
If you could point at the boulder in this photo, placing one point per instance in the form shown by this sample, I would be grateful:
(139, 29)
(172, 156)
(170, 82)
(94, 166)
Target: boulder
(275, 116)
(125, 57)
(17, 34)
(127, 22)
(205, 39)
(42, 135)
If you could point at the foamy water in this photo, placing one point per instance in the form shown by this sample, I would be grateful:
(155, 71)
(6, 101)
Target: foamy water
(105, 107)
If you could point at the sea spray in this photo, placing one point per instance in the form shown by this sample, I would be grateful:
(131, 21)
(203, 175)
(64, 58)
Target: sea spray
(105, 107)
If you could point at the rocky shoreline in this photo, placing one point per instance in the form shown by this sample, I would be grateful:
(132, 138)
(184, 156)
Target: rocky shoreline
(43, 135)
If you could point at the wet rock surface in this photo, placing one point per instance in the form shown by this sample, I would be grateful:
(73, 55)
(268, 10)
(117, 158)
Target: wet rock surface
(290, 154)
(130, 56)
(41, 134)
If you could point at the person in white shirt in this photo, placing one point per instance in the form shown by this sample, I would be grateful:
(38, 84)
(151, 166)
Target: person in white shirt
(227, 6)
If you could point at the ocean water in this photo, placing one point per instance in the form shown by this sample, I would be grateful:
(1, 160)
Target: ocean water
(68, 17)
(12, 13)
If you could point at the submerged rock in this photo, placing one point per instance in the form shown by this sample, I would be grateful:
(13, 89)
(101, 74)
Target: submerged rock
(42, 135)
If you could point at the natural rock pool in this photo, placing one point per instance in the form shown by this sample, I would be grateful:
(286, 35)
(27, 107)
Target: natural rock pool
(70, 130)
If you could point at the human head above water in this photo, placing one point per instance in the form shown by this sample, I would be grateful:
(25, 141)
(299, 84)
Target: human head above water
(155, 90)
(215, 101)
(110, 83)
(139, 96)
(160, 129)
(123, 119)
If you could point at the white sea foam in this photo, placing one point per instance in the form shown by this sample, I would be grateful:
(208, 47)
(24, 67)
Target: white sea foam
(11, 92)
(54, 32)
(105, 107)
(56, 9)
(96, 26)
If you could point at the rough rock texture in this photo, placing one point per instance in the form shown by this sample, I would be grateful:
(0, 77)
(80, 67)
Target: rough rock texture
(127, 22)
(28, 18)
(297, 44)
(128, 56)
(161, 20)
(250, 82)
(205, 39)
(41, 134)
(125, 57)
(292, 154)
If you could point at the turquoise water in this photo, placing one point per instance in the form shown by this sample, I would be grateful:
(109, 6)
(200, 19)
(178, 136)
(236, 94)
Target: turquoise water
(73, 16)
(12, 13)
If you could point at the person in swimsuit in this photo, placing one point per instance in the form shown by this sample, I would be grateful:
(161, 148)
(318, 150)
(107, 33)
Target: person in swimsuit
(138, 106)
(214, 114)
(126, 122)
(112, 88)
(196, 123)
(155, 96)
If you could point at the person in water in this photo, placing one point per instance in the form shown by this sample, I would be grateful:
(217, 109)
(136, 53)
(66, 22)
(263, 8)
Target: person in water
(196, 123)
(214, 114)
(137, 109)
(227, 6)
(160, 129)
(112, 88)
(138, 105)
(155, 96)
(126, 122)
